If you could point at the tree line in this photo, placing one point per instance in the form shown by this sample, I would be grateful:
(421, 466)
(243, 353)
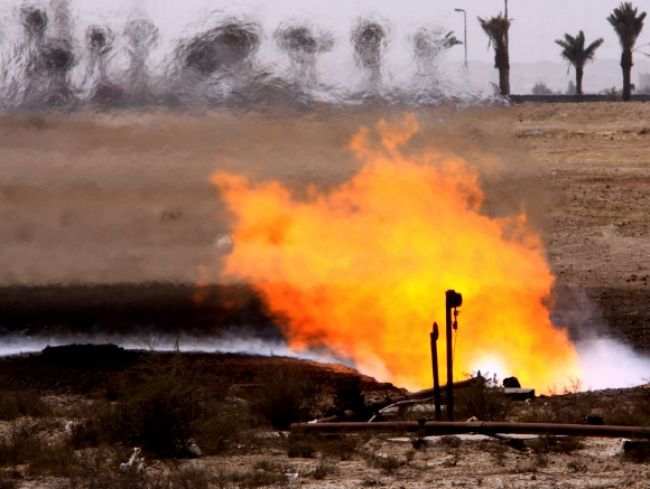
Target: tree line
(626, 20)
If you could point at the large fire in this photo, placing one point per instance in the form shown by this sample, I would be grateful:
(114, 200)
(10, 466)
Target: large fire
(363, 268)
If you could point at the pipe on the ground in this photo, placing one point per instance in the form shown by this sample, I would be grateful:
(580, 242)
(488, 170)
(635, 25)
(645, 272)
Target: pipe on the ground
(481, 427)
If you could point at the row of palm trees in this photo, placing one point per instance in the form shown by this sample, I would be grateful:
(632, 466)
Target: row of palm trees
(625, 19)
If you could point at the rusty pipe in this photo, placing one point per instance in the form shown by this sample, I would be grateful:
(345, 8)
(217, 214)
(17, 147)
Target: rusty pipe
(481, 427)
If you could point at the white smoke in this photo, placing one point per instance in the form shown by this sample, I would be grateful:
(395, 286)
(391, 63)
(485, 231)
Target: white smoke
(608, 363)
(605, 361)
(16, 345)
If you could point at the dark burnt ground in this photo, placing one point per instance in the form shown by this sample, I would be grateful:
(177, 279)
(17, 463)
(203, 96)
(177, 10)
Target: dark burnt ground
(109, 371)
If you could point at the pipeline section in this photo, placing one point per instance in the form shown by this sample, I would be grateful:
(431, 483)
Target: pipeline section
(480, 427)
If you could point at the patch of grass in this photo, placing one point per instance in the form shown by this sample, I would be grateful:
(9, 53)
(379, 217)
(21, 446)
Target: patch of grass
(370, 482)
(186, 478)
(323, 470)
(307, 445)
(263, 473)
(576, 466)
(555, 444)
(340, 447)
(386, 463)
(450, 441)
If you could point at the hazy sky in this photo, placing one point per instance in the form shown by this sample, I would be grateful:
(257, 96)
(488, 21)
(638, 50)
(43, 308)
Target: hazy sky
(536, 23)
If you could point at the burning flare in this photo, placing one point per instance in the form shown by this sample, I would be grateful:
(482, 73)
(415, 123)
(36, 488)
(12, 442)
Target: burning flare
(363, 268)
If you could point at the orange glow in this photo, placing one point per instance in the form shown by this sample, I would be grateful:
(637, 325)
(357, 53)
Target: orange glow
(363, 268)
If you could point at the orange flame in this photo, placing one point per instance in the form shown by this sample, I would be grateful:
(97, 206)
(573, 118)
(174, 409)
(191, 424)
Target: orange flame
(363, 268)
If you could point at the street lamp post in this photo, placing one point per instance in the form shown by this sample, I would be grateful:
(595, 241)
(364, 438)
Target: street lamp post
(465, 37)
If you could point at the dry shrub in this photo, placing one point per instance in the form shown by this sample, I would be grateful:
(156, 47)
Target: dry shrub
(339, 447)
(25, 445)
(483, 399)
(159, 416)
(570, 409)
(22, 403)
(287, 396)
(98, 469)
(635, 412)
(323, 470)
(22, 445)
(224, 426)
(8, 483)
(302, 445)
(386, 463)
(555, 444)
(54, 459)
(263, 473)
(186, 478)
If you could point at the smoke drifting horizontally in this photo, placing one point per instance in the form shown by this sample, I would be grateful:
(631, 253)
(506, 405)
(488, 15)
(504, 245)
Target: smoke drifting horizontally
(363, 268)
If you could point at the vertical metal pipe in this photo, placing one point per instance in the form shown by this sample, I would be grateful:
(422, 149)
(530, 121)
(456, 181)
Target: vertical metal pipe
(436, 378)
(450, 361)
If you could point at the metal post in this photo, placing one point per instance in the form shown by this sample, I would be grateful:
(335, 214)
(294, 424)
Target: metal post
(450, 362)
(465, 28)
(436, 378)
(452, 301)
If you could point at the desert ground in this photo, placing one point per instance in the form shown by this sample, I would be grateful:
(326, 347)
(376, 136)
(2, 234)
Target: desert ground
(113, 215)
(118, 200)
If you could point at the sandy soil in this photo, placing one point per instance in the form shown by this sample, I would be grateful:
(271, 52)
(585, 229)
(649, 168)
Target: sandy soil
(125, 198)
(73, 384)
(597, 159)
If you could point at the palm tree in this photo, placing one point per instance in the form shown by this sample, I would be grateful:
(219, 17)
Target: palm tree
(575, 52)
(627, 23)
(497, 30)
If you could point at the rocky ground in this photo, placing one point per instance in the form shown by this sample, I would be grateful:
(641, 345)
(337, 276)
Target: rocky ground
(125, 199)
(67, 421)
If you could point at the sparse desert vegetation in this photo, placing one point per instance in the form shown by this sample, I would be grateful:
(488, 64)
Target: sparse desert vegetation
(194, 433)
